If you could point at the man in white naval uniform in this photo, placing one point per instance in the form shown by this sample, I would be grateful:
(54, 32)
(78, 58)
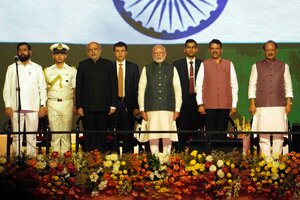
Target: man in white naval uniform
(61, 82)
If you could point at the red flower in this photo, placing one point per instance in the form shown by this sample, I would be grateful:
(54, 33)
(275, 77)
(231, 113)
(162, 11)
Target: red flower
(68, 154)
(71, 167)
(54, 154)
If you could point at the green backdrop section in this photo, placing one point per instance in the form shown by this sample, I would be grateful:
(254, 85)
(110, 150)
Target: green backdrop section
(242, 55)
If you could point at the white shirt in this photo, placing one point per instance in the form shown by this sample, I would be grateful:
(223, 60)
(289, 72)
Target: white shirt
(253, 81)
(32, 87)
(64, 86)
(177, 90)
(233, 84)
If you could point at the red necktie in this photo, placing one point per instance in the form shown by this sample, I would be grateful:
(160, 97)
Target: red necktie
(192, 87)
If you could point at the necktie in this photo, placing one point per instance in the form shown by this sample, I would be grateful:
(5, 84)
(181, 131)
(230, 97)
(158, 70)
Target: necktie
(191, 78)
(120, 81)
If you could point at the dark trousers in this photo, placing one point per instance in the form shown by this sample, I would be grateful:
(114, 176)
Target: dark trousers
(124, 121)
(217, 120)
(93, 122)
(189, 119)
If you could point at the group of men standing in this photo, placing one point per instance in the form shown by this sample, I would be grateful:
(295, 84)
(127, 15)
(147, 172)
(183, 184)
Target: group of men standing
(189, 94)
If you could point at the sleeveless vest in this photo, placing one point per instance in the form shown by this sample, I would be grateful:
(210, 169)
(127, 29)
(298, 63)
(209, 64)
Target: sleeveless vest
(159, 93)
(270, 87)
(217, 92)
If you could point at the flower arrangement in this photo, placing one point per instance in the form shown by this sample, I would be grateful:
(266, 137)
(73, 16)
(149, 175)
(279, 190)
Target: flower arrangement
(217, 175)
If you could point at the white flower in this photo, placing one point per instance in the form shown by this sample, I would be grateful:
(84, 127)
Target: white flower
(276, 156)
(40, 157)
(94, 177)
(115, 170)
(94, 193)
(114, 157)
(276, 164)
(274, 176)
(209, 158)
(269, 159)
(163, 158)
(102, 185)
(117, 164)
(151, 176)
(220, 173)
(220, 163)
(212, 168)
(108, 157)
(99, 170)
(162, 167)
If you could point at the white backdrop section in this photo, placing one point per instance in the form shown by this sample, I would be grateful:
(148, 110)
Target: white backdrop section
(79, 22)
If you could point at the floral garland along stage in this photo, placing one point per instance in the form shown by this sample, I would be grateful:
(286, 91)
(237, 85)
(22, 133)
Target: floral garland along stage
(146, 176)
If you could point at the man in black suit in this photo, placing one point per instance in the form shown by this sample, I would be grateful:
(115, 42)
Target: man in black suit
(96, 96)
(189, 118)
(127, 74)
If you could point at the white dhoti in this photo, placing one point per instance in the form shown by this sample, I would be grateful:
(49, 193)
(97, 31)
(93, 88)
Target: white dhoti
(158, 121)
(270, 119)
(30, 121)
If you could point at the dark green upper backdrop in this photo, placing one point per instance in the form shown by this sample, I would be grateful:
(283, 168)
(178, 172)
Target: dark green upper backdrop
(242, 56)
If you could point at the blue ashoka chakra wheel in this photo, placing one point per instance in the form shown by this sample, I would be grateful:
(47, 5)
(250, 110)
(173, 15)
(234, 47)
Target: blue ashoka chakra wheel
(170, 19)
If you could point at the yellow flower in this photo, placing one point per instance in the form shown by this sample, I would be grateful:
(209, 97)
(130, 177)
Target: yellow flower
(55, 178)
(192, 162)
(257, 169)
(232, 165)
(282, 166)
(270, 181)
(254, 179)
(197, 166)
(252, 174)
(227, 163)
(270, 165)
(114, 157)
(195, 173)
(228, 175)
(262, 163)
(123, 163)
(199, 156)
(202, 167)
(194, 153)
(274, 170)
(107, 164)
(125, 171)
(229, 181)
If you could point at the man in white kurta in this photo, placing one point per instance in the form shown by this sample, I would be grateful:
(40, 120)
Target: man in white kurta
(160, 99)
(270, 93)
(32, 87)
(61, 82)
